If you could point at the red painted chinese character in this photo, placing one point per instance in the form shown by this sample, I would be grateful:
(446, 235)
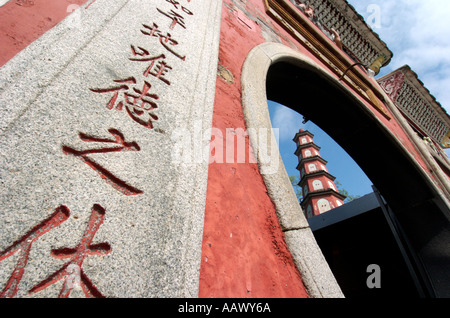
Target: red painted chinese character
(138, 103)
(111, 179)
(176, 4)
(175, 17)
(151, 31)
(23, 247)
(96, 0)
(76, 258)
(116, 90)
(166, 40)
(158, 66)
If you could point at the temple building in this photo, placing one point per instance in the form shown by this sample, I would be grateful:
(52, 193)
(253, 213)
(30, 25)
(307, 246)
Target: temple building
(319, 190)
(423, 113)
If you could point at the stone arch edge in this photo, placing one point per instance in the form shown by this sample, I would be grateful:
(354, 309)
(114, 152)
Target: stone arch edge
(314, 270)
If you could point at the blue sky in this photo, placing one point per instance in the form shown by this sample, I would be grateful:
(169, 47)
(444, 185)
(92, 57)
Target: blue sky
(417, 32)
(340, 164)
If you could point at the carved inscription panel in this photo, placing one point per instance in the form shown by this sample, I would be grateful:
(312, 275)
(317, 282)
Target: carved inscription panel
(91, 202)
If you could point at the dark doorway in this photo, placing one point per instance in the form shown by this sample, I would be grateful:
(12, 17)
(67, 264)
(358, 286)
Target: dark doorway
(418, 210)
(357, 235)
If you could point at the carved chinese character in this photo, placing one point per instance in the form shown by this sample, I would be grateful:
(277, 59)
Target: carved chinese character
(96, 0)
(111, 179)
(177, 5)
(72, 270)
(158, 66)
(166, 40)
(139, 103)
(23, 247)
(175, 17)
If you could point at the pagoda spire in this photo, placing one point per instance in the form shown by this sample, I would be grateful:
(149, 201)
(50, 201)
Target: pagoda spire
(319, 190)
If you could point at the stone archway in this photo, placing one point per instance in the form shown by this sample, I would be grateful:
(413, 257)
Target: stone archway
(276, 72)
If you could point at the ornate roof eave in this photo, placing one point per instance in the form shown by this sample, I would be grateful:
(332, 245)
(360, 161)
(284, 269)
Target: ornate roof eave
(302, 133)
(312, 158)
(307, 145)
(394, 85)
(413, 78)
(358, 20)
(315, 174)
(340, 63)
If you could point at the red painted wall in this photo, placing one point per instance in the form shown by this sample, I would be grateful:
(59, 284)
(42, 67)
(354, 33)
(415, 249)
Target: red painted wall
(23, 21)
(244, 253)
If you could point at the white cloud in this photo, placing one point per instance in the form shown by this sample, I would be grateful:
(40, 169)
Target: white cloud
(417, 33)
(286, 120)
(431, 22)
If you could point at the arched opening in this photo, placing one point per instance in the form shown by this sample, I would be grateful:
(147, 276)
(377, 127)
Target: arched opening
(415, 208)
(412, 202)
(343, 234)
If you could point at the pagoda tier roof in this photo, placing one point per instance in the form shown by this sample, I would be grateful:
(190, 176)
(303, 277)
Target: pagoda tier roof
(307, 145)
(314, 175)
(302, 133)
(320, 193)
(308, 159)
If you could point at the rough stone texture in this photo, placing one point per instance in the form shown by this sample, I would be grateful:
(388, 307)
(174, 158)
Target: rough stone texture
(154, 237)
(257, 117)
(315, 272)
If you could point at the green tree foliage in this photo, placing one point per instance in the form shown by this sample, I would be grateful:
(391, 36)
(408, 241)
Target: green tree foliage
(341, 190)
(297, 189)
